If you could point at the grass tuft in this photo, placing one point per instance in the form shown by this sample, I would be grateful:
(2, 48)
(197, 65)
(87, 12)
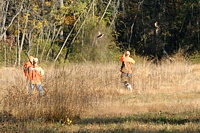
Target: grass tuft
(91, 98)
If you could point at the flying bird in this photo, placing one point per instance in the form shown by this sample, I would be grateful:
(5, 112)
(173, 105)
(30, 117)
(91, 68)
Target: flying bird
(100, 35)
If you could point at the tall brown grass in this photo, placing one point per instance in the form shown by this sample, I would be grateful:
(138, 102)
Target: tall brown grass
(79, 91)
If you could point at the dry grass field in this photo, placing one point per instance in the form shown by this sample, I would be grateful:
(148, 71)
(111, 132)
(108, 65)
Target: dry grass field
(91, 98)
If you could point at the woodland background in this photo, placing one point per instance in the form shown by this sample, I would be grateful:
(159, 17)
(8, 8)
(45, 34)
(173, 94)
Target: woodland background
(85, 39)
(63, 31)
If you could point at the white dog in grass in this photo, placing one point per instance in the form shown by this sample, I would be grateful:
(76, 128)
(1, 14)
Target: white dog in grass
(128, 86)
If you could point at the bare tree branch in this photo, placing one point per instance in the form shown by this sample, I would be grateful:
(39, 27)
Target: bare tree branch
(71, 32)
(6, 28)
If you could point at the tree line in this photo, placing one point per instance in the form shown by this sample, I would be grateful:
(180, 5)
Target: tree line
(62, 31)
(160, 27)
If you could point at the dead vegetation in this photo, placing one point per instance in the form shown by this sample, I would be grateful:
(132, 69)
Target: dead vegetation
(90, 98)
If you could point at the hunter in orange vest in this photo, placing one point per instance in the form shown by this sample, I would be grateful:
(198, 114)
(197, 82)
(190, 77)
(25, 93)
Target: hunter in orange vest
(35, 77)
(26, 66)
(127, 69)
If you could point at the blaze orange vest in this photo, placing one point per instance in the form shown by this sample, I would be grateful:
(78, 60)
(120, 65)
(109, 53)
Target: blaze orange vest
(35, 73)
(127, 64)
(127, 59)
(26, 67)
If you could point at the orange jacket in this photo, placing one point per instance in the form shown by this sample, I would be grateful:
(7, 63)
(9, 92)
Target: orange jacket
(36, 73)
(127, 59)
(127, 64)
(26, 67)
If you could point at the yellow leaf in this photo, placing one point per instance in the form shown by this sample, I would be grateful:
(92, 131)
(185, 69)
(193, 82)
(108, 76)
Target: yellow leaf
(35, 8)
(26, 16)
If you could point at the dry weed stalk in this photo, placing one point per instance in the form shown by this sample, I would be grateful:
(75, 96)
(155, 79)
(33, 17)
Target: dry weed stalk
(94, 89)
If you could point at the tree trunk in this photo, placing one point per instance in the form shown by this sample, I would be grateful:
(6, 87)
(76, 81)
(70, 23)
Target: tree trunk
(4, 15)
(6, 27)
(5, 55)
(55, 35)
(22, 40)
(61, 32)
(1, 16)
